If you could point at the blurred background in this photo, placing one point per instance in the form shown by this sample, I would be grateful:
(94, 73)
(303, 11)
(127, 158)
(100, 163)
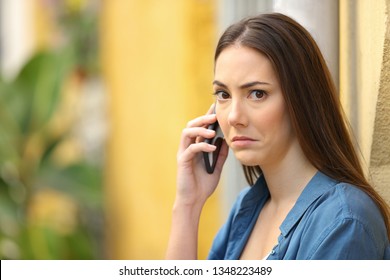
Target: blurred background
(94, 95)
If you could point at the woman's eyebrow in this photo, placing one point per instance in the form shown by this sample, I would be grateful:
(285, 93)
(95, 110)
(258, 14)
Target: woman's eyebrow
(251, 84)
(243, 86)
(218, 83)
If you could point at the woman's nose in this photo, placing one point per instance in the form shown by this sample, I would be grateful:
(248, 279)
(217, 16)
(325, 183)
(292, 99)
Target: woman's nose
(237, 115)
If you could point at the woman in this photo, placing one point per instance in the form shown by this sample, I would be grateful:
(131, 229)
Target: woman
(279, 112)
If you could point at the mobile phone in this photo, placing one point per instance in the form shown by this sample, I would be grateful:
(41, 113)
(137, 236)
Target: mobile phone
(210, 159)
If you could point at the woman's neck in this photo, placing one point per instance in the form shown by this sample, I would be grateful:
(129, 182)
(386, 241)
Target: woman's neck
(287, 179)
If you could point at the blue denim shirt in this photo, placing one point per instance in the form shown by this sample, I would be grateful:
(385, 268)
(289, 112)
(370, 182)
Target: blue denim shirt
(330, 220)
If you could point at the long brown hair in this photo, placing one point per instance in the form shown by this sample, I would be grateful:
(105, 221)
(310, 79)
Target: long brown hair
(310, 95)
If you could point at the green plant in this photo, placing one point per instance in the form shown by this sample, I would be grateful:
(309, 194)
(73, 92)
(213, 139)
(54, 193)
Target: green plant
(48, 210)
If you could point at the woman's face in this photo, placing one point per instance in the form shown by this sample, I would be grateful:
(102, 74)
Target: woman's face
(250, 107)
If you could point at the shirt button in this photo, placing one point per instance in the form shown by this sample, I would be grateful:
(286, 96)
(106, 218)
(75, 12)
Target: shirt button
(272, 252)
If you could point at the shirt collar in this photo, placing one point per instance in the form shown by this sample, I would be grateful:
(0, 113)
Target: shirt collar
(257, 193)
(317, 186)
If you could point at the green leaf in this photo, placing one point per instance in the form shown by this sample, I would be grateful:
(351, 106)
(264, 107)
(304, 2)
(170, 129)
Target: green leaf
(81, 181)
(39, 85)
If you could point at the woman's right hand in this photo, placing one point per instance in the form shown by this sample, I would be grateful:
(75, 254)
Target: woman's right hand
(194, 184)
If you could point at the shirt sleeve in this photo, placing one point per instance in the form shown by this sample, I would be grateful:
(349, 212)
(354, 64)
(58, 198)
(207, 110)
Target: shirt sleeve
(346, 239)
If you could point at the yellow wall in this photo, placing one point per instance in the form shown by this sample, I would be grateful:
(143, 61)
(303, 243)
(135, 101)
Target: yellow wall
(380, 150)
(158, 62)
(362, 29)
(364, 82)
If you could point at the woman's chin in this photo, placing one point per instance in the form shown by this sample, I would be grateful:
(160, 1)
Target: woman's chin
(247, 159)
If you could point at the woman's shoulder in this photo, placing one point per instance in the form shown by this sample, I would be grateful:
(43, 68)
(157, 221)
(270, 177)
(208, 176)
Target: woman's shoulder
(348, 201)
(345, 217)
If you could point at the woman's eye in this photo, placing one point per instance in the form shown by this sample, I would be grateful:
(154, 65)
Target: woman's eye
(257, 94)
(221, 95)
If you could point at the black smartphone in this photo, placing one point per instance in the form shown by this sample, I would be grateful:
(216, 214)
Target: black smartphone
(210, 159)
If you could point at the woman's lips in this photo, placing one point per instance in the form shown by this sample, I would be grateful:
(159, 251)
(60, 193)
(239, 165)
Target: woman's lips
(242, 141)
